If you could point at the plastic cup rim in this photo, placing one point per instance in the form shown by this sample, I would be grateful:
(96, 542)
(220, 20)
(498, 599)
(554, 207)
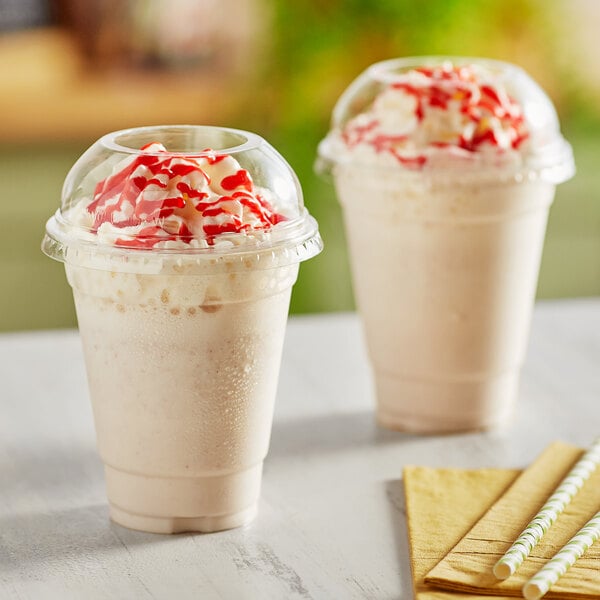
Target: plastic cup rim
(381, 70)
(251, 141)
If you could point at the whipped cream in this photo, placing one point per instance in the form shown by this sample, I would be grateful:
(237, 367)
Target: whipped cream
(438, 114)
(162, 200)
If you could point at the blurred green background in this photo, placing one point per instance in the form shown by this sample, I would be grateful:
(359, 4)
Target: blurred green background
(297, 58)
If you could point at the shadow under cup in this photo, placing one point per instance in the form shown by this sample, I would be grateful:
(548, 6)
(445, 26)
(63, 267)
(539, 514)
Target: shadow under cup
(445, 276)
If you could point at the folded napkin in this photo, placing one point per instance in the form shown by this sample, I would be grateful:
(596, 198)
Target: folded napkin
(468, 566)
(441, 506)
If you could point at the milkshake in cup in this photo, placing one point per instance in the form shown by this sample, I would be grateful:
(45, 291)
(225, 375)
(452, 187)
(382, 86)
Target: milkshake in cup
(445, 169)
(181, 244)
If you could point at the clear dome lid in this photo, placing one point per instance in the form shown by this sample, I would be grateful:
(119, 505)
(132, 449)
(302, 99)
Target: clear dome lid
(447, 113)
(175, 190)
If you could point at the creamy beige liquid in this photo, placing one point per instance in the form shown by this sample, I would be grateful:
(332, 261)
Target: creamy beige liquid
(183, 374)
(445, 279)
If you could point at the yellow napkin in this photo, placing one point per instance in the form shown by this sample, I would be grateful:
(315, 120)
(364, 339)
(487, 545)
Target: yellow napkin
(441, 506)
(468, 567)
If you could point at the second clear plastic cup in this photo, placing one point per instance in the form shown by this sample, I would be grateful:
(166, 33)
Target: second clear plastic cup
(445, 169)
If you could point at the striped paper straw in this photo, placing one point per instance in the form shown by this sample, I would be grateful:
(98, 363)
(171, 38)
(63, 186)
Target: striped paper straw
(563, 560)
(539, 525)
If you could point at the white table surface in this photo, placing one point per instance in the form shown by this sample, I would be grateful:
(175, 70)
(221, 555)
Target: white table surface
(331, 522)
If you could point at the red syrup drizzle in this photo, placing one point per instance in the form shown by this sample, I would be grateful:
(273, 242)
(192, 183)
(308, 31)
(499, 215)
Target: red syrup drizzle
(447, 84)
(124, 200)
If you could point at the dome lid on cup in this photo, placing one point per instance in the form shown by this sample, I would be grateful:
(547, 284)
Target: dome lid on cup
(155, 193)
(447, 114)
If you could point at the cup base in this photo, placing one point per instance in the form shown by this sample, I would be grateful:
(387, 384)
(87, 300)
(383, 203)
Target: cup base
(181, 524)
(205, 503)
(428, 407)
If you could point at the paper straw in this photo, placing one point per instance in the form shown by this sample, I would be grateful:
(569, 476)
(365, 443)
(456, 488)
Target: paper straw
(539, 525)
(563, 560)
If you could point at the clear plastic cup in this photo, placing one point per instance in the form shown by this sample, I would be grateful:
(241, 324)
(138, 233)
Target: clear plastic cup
(445, 242)
(182, 339)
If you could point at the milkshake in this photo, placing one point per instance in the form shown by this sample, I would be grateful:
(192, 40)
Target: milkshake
(445, 170)
(182, 245)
